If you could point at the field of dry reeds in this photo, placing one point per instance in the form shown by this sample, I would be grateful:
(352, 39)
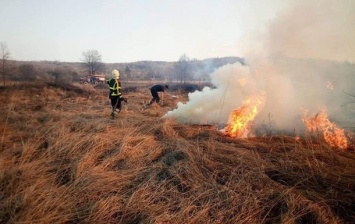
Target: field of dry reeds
(63, 160)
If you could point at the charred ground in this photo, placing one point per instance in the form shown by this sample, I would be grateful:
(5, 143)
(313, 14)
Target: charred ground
(63, 160)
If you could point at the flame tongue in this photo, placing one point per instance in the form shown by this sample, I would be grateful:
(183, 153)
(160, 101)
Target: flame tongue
(333, 136)
(239, 120)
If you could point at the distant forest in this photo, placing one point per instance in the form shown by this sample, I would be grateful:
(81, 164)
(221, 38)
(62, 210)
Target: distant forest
(183, 70)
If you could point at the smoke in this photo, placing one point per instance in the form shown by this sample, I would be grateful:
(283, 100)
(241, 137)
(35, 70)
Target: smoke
(320, 29)
(233, 83)
(295, 85)
(305, 63)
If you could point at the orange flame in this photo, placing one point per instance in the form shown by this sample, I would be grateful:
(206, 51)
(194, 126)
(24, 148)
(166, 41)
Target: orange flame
(242, 81)
(238, 122)
(330, 85)
(332, 135)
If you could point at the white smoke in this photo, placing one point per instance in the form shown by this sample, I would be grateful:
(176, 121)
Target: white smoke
(233, 83)
(320, 29)
(308, 47)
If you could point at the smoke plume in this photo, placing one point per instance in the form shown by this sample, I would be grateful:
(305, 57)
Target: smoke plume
(305, 63)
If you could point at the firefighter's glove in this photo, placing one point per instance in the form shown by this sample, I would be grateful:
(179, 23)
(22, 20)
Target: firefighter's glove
(124, 99)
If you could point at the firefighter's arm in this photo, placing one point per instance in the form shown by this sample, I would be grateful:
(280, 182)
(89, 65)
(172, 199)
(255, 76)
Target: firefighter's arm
(123, 99)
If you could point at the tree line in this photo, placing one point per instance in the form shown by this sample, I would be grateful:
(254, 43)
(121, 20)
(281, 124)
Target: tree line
(181, 71)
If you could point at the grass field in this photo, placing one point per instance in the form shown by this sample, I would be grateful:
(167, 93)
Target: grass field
(63, 160)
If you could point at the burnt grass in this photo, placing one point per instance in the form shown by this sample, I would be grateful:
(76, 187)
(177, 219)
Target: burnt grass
(64, 160)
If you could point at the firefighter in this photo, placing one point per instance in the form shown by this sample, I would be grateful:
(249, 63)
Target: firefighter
(154, 91)
(115, 92)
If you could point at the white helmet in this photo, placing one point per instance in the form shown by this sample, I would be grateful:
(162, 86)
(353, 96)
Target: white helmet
(115, 74)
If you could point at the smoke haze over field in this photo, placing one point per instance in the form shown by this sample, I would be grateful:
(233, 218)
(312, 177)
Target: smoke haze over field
(321, 29)
(213, 105)
(302, 64)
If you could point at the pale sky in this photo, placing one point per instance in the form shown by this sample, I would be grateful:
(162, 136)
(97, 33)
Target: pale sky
(131, 30)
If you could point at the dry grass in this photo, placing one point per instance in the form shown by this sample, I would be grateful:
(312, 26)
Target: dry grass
(63, 160)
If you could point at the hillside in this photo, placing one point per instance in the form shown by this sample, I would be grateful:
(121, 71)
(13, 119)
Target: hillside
(63, 160)
(140, 70)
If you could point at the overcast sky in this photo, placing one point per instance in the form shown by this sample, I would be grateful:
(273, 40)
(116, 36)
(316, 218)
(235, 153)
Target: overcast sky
(131, 30)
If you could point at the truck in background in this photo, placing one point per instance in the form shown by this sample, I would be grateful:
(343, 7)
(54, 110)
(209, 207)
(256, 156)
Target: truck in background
(93, 79)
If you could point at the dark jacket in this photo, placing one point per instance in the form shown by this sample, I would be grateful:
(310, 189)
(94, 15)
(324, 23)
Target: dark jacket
(157, 88)
(115, 87)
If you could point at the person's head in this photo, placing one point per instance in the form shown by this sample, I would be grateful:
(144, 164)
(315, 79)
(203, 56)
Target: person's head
(115, 74)
(166, 87)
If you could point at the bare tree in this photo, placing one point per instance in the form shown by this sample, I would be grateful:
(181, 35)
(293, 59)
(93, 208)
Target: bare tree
(5, 55)
(348, 95)
(182, 69)
(92, 60)
(127, 72)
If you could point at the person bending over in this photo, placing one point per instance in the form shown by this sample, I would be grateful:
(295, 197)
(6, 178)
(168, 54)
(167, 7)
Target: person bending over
(154, 91)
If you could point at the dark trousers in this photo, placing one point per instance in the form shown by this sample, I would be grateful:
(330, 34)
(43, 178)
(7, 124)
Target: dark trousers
(115, 102)
(155, 96)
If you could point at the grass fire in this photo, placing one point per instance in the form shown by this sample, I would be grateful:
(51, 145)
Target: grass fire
(265, 138)
(239, 120)
(332, 135)
(64, 160)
